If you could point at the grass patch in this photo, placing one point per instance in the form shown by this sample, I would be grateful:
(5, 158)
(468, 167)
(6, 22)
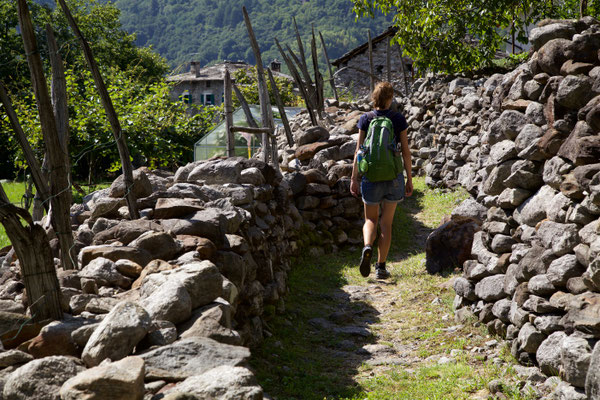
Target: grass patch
(306, 358)
(16, 190)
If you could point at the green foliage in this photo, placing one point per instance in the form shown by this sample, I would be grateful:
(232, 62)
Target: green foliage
(159, 133)
(210, 30)
(247, 82)
(458, 36)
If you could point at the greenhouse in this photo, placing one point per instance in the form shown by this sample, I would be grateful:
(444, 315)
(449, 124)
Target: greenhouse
(214, 143)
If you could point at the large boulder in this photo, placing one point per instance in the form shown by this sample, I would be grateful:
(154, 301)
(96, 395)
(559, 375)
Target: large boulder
(160, 245)
(121, 380)
(125, 231)
(539, 36)
(552, 55)
(193, 356)
(592, 380)
(216, 172)
(114, 253)
(41, 379)
(141, 185)
(450, 245)
(548, 353)
(118, 334)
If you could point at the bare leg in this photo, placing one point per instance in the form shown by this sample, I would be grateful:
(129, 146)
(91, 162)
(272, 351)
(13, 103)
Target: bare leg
(370, 226)
(387, 218)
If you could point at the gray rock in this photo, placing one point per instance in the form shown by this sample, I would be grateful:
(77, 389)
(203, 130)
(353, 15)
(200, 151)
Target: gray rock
(252, 176)
(534, 209)
(575, 91)
(491, 288)
(202, 280)
(529, 338)
(121, 380)
(564, 391)
(548, 323)
(528, 134)
(311, 135)
(517, 316)
(511, 198)
(160, 245)
(14, 357)
(539, 36)
(470, 208)
(503, 151)
(557, 208)
(540, 285)
(170, 302)
(564, 268)
(465, 289)
(216, 172)
(561, 238)
(41, 379)
(507, 126)
(212, 321)
(222, 382)
(575, 354)
(592, 380)
(118, 334)
(501, 310)
(479, 250)
(189, 357)
(104, 272)
(494, 184)
(548, 353)
(141, 185)
(554, 169)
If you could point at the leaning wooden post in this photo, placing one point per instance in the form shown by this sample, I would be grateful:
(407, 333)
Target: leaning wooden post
(229, 116)
(35, 260)
(371, 69)
(308, 83)
(388, 60)
(331, 80)
(318, 78)
(110, 114)
(39, 180)
(60, 186)
(300, 45)
(403, 67)
(298, 79)
(263, 93)
(240, 96)
(281, 107)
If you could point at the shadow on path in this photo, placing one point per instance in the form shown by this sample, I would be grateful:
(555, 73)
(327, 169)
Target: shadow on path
(323, 339)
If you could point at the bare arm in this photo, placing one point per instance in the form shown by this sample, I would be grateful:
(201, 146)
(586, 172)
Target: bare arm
(407, 161)
(354, 181)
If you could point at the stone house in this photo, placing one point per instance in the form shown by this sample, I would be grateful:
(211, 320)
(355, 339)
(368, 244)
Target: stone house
(206, 86)
(357, 82)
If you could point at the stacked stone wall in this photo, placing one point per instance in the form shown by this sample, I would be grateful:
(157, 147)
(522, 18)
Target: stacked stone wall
(526, 145)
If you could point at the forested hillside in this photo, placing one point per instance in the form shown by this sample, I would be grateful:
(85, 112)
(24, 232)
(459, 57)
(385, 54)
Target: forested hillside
(213, 30)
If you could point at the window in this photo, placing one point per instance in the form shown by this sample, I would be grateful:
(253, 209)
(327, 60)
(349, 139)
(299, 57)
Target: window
(210, 99)
(201, 99)
(186, 97)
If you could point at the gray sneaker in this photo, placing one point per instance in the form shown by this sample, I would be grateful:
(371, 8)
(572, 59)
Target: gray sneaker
(365, 261)
(381, 272)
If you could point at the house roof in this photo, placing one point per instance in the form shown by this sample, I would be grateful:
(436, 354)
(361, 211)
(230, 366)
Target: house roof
(214, 72)
(388, 33)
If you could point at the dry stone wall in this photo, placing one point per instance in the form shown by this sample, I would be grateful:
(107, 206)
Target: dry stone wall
(172, 302)
(526, 145)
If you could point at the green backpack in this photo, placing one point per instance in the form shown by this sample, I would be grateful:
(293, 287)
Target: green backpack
(380, 162)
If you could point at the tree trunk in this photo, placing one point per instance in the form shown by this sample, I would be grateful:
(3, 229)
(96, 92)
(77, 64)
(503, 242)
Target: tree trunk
(583, 8)
(35, 259)
(60, 187)
(110, 114)
(229, 115)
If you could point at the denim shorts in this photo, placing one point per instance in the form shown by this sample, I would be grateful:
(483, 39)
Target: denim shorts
(388, 191)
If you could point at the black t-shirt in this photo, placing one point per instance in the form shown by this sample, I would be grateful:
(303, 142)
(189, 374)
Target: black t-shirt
(397, 119)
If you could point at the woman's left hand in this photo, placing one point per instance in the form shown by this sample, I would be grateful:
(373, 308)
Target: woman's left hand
(409, 188)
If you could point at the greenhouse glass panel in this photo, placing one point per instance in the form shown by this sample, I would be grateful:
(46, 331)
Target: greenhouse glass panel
(214, 143)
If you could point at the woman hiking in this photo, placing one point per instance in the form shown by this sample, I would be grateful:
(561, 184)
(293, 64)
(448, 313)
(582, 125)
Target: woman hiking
(378, 193)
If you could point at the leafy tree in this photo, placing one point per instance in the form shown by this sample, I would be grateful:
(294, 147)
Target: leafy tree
(452, 36)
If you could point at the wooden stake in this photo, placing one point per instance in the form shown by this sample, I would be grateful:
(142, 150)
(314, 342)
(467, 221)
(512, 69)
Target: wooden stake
(388, 60)
(281, 107)
(39, 180)
(308, 83)
(35, 260)
(331, 80)
(263, 92)
(403, 67)
(371, 69)
(229, 116)
(111, 115)
(318, 78)
(253, 131)
(299, 82)
(300, 46)
(247, 112)
(60, 186)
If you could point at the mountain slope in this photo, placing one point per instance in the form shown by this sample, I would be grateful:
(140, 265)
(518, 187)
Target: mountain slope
(214, 30)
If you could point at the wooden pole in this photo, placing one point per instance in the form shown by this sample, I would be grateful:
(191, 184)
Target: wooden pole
(331, 80)
(229, 116)
(318, 78)
(299, 82)
(247, 112)
(308, 83)
(403, 67)
(35, 260)
(371, 69)
(263, 93)
(254, 131)
(388, 60)
(300, 46)
(281, 107)
(39, 180)
(110, 114)
(60, 186)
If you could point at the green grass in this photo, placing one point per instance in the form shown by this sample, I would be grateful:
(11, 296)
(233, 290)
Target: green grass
(304, 361)
(15, 191)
